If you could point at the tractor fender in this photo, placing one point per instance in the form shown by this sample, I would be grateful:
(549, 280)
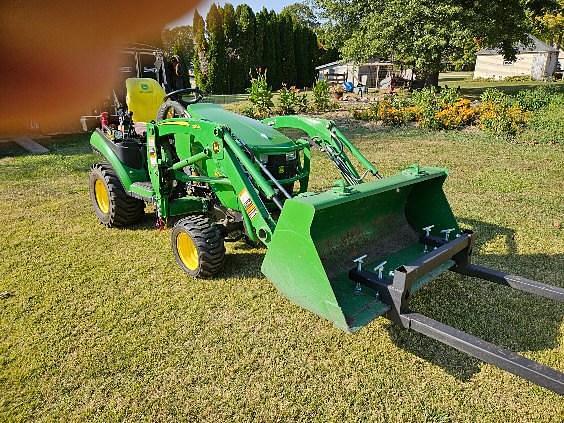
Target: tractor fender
(126, 174)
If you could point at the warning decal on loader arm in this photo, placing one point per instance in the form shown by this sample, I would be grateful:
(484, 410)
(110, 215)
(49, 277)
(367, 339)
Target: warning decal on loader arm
(248, 204)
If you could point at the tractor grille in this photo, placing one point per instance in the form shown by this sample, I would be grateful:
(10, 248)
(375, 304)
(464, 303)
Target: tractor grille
(281, 168)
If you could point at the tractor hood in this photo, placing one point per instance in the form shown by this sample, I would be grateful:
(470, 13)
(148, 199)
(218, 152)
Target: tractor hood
(252, 132)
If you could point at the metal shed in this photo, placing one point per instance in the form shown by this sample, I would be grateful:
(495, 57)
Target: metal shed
(369, 73)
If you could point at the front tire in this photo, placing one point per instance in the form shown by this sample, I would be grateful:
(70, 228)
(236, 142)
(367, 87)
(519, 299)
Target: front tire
(198, 246)
(113, 207)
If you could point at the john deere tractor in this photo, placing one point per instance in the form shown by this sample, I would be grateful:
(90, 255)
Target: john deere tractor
(350, 254)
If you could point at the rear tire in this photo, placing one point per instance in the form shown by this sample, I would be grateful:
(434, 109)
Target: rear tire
(113, 207)
(171, 109)
(198, 246)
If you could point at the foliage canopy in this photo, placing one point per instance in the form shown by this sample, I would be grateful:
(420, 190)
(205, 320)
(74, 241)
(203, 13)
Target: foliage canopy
(424, 33)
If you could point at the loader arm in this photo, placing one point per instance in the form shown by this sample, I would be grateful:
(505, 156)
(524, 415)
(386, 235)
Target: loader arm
(212, 150)
(330, 140)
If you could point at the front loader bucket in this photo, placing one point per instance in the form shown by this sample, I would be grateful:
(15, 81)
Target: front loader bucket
(318, 237)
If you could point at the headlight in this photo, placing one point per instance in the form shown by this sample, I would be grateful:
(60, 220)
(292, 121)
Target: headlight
(291, 156)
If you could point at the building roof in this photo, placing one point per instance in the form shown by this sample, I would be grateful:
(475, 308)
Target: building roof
(536, 46)
(373, 62)
(330, 65)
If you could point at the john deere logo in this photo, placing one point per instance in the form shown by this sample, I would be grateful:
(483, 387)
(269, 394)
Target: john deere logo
(145, 87)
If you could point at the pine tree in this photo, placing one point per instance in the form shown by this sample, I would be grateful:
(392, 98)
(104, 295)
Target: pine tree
(232, 50)
(260, 39)
(287, 50)
(234, 42)
(301, 52)
(199, 61)
(271, 42)
(313, 58)
(216, 55)
(246, 32)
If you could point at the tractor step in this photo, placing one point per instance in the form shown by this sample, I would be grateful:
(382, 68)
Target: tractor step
(142, 191)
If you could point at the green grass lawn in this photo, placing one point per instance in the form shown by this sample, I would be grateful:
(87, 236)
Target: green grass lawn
(472, 89)
(103, 325)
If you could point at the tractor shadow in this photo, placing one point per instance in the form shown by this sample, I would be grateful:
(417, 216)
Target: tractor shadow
(503, 316)
(243, 261)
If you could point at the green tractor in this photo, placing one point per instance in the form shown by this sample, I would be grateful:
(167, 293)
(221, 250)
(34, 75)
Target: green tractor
(350, 254)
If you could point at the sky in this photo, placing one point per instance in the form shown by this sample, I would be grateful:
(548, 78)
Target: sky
(256, 5)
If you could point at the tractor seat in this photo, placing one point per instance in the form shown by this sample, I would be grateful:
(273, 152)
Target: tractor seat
(144, 98)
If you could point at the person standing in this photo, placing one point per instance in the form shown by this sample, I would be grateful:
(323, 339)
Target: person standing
(177, 74)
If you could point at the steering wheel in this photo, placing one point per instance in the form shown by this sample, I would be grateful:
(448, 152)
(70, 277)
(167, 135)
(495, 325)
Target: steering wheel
(178, 96)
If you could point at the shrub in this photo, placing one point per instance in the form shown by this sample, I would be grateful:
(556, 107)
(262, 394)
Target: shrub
(438, 108)
(288, 100)
(426, 102)
(322, 96)
(301, 103)
(493, 95)
(248, 111)
(546, 126)
(457, 115)
(535, 99)
(429, 107)
(447, 97)
(292, 101)
(388, 112)
(521, 78)
(260, 96)
(502, 119)
(363, 114)
(401, 99)
(501, 115)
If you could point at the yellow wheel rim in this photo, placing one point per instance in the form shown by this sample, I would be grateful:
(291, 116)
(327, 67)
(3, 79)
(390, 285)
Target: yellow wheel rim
(187, 250)
(102, 196)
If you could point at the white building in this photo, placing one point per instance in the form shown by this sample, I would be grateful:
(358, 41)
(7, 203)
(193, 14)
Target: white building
(537, 61)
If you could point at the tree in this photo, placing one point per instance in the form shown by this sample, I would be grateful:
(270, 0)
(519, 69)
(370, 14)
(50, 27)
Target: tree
(216, 55)
(551, 22)
(287, 50)
(271, 40)
(261, 30)
(302, 14)
(312, 58)
(324, 49)
(301, 42)
(234, 43)
(425, 33)
(200, 61)
(246, 27)
(232, 53)
(179, 41)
